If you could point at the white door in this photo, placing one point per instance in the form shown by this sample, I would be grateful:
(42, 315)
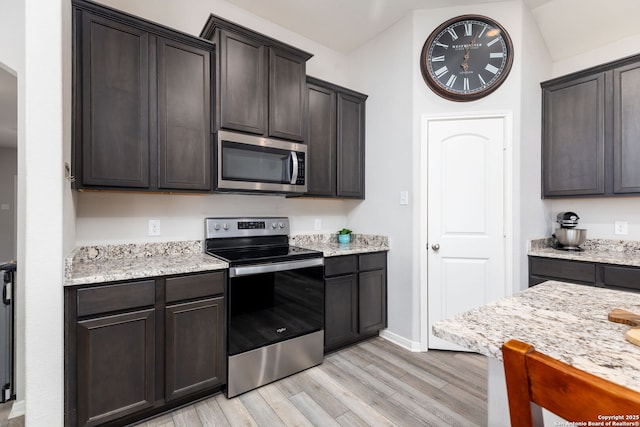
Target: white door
(465, 212)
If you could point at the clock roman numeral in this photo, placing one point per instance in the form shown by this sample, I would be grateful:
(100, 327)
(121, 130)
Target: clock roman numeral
(493, 41)
(451, 31)
(452, 80)
(437, 58)
(468, 29)
(441, 71)
(496, 55)
(446, 46)
(490, 68)
(484, 28)
(465, 85)
(482, 80)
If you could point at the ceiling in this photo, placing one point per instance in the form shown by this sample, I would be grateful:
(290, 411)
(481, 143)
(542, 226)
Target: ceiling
(569, 28)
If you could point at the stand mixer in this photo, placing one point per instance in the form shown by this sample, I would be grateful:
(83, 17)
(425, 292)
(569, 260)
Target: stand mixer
(569, 237)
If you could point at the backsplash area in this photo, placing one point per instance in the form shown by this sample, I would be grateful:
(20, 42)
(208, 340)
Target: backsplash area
(598, 215)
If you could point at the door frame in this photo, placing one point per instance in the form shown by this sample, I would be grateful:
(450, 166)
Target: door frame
(508, 175)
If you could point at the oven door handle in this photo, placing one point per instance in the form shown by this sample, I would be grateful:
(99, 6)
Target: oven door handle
(276, 266)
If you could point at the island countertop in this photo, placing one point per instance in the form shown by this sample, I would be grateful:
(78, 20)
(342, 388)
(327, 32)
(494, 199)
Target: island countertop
(566, 321)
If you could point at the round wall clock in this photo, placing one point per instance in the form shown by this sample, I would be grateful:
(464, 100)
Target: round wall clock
(466, 58)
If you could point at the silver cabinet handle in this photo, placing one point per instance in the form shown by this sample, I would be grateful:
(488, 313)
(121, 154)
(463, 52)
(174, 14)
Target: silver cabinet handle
(435, 246)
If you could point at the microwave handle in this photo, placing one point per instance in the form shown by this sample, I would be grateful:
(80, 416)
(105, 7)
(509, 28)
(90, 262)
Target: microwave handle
(294, 167)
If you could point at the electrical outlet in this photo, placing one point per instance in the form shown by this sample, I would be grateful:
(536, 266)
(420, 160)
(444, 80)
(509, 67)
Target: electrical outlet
(621, 227)
(317, 224)
(154, 227)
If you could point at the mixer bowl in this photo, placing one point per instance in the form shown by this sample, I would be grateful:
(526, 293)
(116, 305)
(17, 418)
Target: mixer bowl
(571, 238)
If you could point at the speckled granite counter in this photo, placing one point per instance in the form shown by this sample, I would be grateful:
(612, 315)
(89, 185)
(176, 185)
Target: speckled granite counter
(107, 263)
(621, 252)
(329, 246)
(566, 321)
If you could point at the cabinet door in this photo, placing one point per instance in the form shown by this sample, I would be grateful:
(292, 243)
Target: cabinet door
(115, 365)
(541, 269)
(195, 355)
(243, 86)
(341, 317)
(574, 137)
(321, 141)
(626, 129)
(114, 64)
(287, 75)
(372, 301)
(350, 147)
(622, 278)
(184, 117)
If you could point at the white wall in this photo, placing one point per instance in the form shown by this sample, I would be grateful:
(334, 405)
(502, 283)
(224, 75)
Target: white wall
(383, 70)
(598, 215)
(530, 213)
(108, 218)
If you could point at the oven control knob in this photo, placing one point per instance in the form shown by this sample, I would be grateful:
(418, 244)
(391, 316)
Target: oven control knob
(225, 226)
(216, 226)
(274, 225)
(281, 225)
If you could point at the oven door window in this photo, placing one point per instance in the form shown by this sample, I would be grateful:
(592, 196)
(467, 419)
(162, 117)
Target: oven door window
(268, 308)
(244, 162)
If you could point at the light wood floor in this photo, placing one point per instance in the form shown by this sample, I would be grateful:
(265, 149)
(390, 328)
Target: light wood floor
(5, 411)
(374, 383)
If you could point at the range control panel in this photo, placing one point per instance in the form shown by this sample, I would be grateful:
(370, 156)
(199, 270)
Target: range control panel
(245, 227)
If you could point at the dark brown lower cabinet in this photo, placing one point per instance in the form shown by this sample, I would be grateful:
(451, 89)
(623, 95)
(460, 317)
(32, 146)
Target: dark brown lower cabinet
(116, 360)
(620, 277)
(355, 298)
(135, 349)
(194, 346)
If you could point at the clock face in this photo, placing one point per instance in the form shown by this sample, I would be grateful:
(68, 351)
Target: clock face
(466, 58)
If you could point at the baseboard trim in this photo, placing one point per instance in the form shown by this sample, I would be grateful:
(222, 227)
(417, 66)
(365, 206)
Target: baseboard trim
(413, 346)
(17, 409)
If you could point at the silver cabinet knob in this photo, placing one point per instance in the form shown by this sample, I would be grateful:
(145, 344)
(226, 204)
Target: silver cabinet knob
(435, 246)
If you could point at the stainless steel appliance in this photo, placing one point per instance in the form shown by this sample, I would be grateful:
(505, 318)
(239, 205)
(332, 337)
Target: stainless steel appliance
(568, 236)
(275, 300)
(248, 163)
(7, 364)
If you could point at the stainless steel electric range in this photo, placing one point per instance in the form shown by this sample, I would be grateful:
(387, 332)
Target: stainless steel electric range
(275, 300)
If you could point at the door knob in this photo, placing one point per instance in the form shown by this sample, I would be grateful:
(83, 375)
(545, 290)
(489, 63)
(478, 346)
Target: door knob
(435, 246)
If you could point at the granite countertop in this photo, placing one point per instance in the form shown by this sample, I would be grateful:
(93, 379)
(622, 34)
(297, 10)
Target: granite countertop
(329, 246)
(620, 252)
(566, 321)
(108, 263)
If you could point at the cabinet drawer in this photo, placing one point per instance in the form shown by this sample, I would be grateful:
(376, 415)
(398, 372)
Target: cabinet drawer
(374, 261)
(124, 296)
(561, 269)
(621, 277)
(335, 266)
(196, 286)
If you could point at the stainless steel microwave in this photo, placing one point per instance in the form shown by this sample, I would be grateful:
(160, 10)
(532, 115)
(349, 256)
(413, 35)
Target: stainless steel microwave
(248, 163)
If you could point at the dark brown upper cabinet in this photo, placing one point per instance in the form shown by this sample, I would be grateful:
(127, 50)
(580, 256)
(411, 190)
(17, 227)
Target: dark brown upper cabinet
(336, 140)
(142, 104)
(260, 82)
(590, 131)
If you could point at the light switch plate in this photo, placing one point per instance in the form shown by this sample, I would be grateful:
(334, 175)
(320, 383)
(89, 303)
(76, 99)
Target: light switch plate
(404, 197)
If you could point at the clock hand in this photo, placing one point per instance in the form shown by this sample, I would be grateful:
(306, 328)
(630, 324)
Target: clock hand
(467, 52)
